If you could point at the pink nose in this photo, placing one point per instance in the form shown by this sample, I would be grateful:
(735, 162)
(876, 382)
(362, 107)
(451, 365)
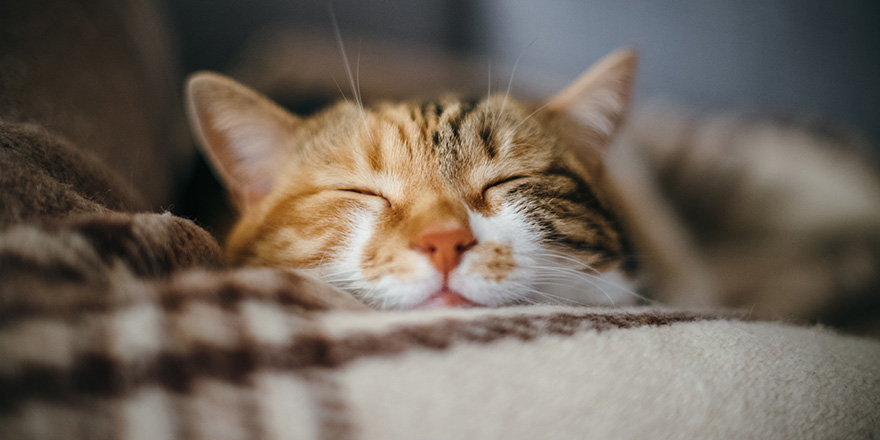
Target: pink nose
(444, 243)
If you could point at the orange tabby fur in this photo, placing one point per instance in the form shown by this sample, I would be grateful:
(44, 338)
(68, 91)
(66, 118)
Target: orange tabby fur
(446, 202)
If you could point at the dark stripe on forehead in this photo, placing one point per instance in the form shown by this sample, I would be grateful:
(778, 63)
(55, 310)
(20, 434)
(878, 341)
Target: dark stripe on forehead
(488, 139)
(376, 159)
(465, 107)
(401, 131)
(468, 105)
(431, 111)
(374, 151)
(429, 108)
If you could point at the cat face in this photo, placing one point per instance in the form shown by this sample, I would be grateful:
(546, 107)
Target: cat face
(447, 202)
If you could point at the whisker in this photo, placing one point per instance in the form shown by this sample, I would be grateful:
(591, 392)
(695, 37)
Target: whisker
(510, 82)
(339, 42)
(522, 294)
(597, 275)
(555, 282)
(530, 115)
(580, 275)
(355, 85)
(357, 76)
(564, 257)
(583, 266)
(338, 87)
(341, 279)
(323, 256)
(359, 96)
(558, 299)
(489, 82)
(589, 279)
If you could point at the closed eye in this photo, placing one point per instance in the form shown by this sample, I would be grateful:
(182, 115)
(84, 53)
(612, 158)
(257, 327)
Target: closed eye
(503, 181)
(367, 192)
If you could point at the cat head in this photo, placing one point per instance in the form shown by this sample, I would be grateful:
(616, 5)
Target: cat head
(446, 202)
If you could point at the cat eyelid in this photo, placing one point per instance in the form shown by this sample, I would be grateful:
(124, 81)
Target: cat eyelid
(363, 191)
(367, 192)
(504, 180)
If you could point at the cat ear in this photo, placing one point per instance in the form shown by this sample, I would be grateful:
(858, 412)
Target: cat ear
(591, 109)
(244, 134)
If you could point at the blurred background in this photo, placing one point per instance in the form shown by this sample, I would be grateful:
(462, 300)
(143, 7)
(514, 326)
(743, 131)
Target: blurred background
(810, 57)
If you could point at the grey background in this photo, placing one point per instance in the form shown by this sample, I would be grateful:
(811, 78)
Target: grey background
(810, 57)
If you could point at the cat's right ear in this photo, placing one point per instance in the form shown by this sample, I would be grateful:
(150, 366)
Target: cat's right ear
(590, 111)
(244, 134)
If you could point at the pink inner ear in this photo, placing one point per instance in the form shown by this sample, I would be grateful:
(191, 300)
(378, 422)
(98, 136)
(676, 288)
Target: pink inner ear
(242, 132)
(591, 109)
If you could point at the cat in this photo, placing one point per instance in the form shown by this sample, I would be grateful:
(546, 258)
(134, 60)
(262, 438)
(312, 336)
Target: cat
(450, 202)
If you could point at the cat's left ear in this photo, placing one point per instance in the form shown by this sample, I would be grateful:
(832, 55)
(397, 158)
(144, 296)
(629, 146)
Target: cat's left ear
(591, 109)
(246, 136)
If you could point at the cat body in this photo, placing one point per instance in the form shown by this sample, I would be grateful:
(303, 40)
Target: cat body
(446, 202)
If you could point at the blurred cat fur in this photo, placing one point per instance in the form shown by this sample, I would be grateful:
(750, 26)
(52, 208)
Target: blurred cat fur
(778, 215)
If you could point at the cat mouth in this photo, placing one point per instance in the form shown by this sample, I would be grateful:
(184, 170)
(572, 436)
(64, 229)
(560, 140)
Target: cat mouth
(444, 298)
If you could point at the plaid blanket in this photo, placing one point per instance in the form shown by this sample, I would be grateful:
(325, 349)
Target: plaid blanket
(119, 325)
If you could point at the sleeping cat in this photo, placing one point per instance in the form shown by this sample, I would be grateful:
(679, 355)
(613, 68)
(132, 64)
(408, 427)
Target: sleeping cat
(447, 202)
